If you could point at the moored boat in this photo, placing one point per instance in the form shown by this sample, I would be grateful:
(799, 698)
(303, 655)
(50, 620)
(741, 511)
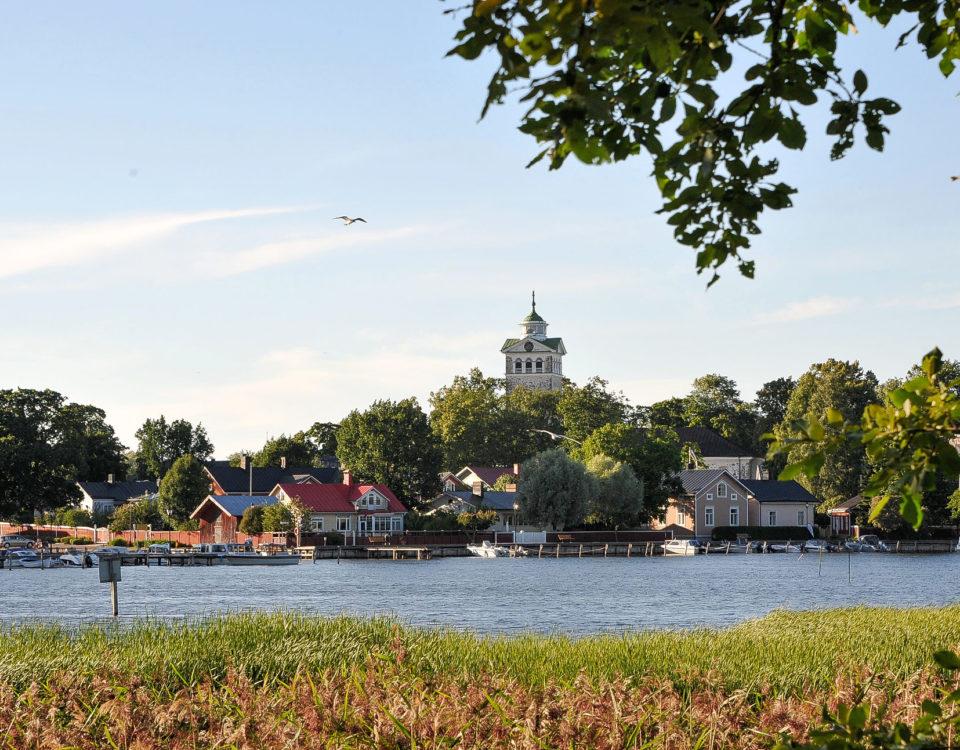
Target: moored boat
(682, 547)
(487, 549)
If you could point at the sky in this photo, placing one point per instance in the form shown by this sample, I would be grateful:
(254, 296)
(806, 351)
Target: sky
(169, 173)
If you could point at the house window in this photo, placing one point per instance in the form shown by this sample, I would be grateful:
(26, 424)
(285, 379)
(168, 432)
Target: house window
(381, 523)
(316, 523)
(396, 523)
(681, 517)
(734, 516)
(529, 365)
(363, 524)
(343, 523)
(733, 497)
(449, 486)
(539, 365)
(772, 518)
(709, 497)
(721, 490)
(518, 366)
(801, 518)
(708, 516)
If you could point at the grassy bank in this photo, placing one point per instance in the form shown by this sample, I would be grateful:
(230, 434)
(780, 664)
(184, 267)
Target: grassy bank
(261, 680)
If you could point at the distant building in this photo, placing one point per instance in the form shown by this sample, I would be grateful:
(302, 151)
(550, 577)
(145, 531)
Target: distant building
(505, 504)
(470, 475)
(247, 479)
(534, 360)
(346, 507)
(219, 515)
(842, 516)
(713, 498)
(105, 497)
(716, 452)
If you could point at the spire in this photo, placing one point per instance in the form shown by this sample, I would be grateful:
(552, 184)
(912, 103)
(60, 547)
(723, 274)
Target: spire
(533, 300)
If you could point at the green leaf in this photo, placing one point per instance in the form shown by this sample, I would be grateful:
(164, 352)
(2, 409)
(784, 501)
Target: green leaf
(858, 717)
(860, 82)
(792, 134)
(948, 660)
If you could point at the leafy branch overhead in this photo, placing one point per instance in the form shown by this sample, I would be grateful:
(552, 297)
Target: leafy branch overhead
(909, 440)
(610, 79)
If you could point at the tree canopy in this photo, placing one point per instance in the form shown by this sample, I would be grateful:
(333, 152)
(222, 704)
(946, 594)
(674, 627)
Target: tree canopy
(847, 389)
(391, 443)
(183, 488)
(160, 443)
(48, 444)
(608, 80)
(619, 498)
(555, 490)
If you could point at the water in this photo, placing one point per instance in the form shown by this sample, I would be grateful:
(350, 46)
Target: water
(574, 596)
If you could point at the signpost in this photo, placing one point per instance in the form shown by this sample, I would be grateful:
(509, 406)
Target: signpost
(110, 573)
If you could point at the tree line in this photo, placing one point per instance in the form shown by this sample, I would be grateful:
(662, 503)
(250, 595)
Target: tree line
(47, 444)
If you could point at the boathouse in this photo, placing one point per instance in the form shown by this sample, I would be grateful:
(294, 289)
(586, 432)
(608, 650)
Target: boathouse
(219, 515)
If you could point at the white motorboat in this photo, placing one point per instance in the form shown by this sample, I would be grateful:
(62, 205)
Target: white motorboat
(79, 559)
(682, 547)
(27, 558)
(784, 548)
(487, 549)
(872, 543)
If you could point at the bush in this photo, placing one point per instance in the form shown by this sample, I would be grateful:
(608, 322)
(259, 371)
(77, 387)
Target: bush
(119, 542)
(73, 540)
(138, 512)
(729, 533)
(73, 517)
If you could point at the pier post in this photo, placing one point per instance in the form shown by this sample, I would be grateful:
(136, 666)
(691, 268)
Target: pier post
(558, 550)
(114, 599)
(540, 552)
(605, 549)
(629, 548)
(580, 554)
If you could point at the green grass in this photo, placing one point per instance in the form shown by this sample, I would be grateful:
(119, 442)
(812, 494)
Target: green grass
(784, 652)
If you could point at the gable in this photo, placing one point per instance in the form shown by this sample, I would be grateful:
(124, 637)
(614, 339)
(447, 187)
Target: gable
(542, 346)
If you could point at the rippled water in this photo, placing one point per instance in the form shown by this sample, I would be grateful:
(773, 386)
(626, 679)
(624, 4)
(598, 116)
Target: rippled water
(575, 596)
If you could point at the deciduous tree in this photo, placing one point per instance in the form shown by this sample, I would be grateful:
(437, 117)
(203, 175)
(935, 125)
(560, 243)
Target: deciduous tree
(160, 443)
(587, 408)
(251, 522)
(183, 488)
(619, 499)
(555, 490)
(608, 80)
(391, 443)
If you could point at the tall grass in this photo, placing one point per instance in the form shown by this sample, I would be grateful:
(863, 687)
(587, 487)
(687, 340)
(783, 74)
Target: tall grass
(271, 681)
(783, 653)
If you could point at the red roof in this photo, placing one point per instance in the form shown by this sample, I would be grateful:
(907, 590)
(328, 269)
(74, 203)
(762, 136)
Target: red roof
(338, 498)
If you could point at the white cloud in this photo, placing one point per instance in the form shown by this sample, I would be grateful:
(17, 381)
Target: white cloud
(226, 263)
(24, 249)
(815, 307)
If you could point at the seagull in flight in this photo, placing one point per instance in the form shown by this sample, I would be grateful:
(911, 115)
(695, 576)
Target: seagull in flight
(347, 221)
(955, 178)
(557, 436)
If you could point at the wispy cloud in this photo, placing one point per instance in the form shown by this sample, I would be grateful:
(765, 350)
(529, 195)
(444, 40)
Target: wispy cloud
(25, 249)
(231, 263)
(815, 307)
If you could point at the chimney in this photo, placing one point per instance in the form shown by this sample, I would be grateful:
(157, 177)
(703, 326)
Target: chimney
(516, 470)
(283, 462)
(478, 489)
(109, 478)
(347, 477)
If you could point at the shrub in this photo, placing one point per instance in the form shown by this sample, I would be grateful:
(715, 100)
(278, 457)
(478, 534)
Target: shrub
(142, 512)
(252, 520)
(119, 542)
(73, 540)
(73, 517)
(729, 533)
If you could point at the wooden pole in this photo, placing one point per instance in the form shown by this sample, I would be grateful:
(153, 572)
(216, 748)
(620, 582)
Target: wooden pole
(581, 551)
(540, 552)
(605, 549)
(113, 598)
(558, 550)
(629, 547)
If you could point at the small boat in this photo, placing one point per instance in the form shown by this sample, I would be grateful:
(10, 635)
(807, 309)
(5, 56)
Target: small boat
(784, 548)
(254, 558)
(682, 547)
(76, 559)
(27, 558)
(872, 543)
(817, 545)
(486, 549)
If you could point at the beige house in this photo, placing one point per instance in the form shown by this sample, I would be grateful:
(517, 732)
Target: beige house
(708, 449)
(713, 498)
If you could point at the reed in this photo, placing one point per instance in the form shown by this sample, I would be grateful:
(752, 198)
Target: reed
(784, 653)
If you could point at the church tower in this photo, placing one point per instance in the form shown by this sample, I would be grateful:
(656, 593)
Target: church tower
(534, 360)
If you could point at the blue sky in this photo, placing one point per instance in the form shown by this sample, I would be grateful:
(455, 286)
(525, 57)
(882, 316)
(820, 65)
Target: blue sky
(169, 171)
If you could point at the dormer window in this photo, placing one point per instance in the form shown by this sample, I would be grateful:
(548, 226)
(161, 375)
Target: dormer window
(721, 490)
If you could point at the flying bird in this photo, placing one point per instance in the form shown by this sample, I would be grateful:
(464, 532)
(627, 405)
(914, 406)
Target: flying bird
(347, 221)
(955, 178)
(557, 436)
